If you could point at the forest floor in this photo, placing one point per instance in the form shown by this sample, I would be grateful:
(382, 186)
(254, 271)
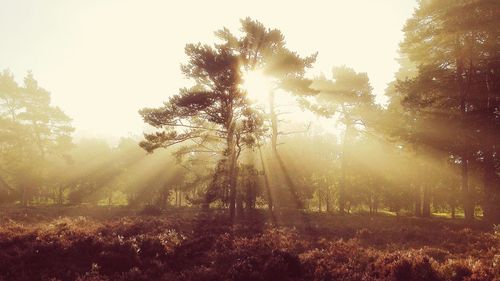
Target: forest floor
(98, 243)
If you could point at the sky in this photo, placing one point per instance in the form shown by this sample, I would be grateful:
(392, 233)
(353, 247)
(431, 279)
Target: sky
(103, 60)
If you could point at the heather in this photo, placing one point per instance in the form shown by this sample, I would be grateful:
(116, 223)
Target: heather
(114, 244)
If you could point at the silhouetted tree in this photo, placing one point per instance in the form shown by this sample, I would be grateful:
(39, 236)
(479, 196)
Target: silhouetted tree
(456, 91)
(215, 108)
(264, 49)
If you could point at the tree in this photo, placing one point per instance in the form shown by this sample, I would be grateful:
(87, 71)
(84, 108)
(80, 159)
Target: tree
(264, 50)
(455, 46)
(348, 96)
(35, 133)
(215, 109)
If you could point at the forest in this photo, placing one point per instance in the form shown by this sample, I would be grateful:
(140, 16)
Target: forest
(258, 170)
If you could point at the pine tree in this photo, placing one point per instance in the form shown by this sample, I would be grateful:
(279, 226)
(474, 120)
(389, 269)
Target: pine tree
(455, 95)
(216, 108)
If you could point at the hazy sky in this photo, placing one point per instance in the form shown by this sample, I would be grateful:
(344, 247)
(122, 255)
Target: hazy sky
(103, 60)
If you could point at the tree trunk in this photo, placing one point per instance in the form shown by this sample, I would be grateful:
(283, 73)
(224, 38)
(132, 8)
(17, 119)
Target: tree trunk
(293, 191)
(251, 195)
(60, 196)
(418, 202)
(239, 204)
(491, 182)
(24, 196)
(342, 185)
(466, 194)
(327, 200)
(176, 198)
(180, 197)
(266, 182)
(319, 201)
(426, 201)
(231, 165)
(232, 183)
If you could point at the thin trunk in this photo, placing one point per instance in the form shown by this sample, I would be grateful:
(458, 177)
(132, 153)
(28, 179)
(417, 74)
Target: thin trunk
(370, 205)
(319, 201)
(491, 182)
(232, 183)
(327, 200)
(266, 182)
(294, 197)
(60, 195)
(177, 197)
(24, 196)
(239, 204)
(231, 163)
(466, 196)
(426, 202)
(180, 197)
(233, 173)
(418, 201)
(342, 185)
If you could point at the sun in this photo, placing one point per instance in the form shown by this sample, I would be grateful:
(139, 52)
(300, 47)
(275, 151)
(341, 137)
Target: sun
(257, 86)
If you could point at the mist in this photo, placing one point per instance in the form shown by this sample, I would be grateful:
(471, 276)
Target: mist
(263, 141)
